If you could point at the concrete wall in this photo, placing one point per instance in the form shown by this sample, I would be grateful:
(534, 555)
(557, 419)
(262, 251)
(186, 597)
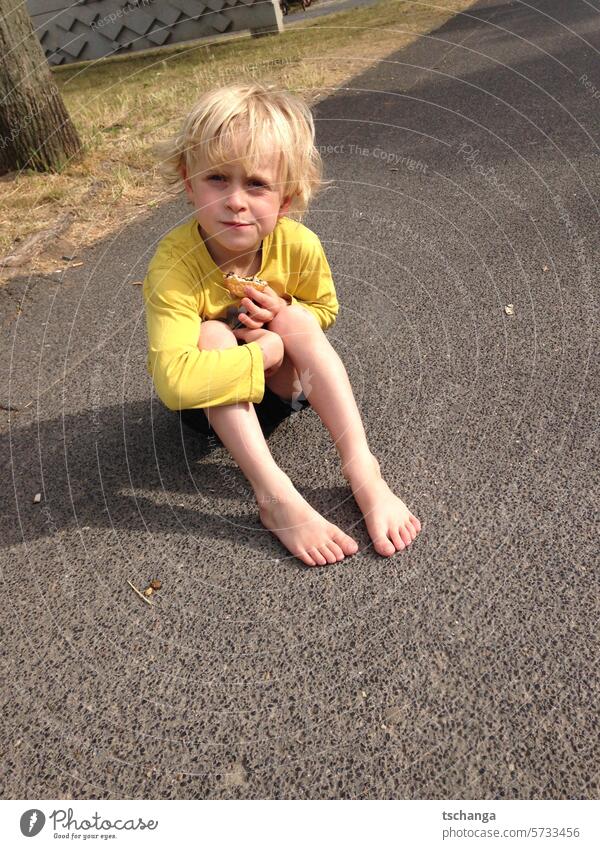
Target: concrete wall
(90, 29)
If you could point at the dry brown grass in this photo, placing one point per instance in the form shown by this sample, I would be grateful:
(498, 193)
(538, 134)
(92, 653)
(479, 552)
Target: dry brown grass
(121, 107)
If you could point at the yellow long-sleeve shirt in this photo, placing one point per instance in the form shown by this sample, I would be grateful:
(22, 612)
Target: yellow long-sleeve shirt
(183, 286)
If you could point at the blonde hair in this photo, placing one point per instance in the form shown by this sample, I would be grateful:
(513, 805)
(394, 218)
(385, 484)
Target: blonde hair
(244, 122)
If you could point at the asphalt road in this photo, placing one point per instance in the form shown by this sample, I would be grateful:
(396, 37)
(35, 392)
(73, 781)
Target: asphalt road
(322, 7)
(466, 180)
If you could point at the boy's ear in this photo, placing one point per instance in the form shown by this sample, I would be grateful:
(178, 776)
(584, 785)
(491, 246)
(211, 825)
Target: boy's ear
(285, 205)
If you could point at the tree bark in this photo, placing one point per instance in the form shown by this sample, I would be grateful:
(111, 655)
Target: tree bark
(35, 128)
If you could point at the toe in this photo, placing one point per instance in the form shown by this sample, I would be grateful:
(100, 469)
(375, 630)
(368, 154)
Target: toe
(306, 559)
(405, 534)
(346, 543)
(396, 539)
(384, 546)
(415, 522)
(316, 556)
(329, 556)
(335, 550)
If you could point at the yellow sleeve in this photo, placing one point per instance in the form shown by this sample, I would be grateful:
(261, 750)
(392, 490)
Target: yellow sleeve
(184, 376)
(315, 290)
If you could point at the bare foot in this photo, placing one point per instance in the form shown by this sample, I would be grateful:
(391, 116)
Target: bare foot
(303, 531)
(390, 523)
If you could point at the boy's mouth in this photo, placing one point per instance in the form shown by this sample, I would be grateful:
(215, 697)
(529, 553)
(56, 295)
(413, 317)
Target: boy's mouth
(236, 224)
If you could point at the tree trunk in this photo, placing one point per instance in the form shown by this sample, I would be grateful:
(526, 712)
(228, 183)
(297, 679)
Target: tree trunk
(35, 128)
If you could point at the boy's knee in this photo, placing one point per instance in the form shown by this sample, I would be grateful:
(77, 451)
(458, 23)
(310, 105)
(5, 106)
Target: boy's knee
(216, 335)
(294, 319)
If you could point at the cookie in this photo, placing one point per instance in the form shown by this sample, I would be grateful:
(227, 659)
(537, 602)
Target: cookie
(235, 284)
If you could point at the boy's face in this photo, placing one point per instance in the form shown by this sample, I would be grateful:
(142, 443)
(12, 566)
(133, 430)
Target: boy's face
(235, 209)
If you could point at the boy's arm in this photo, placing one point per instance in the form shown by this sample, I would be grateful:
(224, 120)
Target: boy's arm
(312, 284)
(184, 376)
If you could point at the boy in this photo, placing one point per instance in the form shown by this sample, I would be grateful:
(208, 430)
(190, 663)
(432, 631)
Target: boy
(246, 157)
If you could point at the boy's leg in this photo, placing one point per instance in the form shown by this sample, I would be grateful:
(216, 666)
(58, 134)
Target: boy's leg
(301, 529)
(285, 382)
(325, 382)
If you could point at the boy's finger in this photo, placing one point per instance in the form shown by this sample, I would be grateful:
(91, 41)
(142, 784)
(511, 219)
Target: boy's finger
(262, 312)
(250, 307)
(255, 294)
(249, 322)
(261, 315)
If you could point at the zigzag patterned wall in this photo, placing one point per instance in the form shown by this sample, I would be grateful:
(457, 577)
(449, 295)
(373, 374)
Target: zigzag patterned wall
(91, 29)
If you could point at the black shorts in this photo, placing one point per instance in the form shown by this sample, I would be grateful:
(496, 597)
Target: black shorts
(271, 411)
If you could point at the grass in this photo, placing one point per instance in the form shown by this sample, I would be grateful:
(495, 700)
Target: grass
(122, 106)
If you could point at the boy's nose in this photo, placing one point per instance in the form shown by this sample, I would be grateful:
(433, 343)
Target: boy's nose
(236, 200)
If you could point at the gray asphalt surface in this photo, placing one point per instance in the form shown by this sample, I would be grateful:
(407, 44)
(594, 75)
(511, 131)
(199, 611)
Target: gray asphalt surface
(322, 7)
(464, 668)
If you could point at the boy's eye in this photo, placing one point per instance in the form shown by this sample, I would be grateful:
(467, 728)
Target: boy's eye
(218, 178)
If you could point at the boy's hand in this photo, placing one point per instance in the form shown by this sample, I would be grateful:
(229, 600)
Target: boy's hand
(262, 307)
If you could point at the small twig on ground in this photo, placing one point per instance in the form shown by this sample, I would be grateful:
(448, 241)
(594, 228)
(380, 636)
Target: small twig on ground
(141, 595)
